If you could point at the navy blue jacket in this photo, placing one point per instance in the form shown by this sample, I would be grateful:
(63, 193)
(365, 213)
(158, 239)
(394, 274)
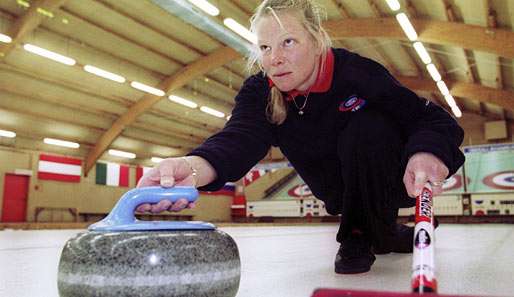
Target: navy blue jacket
(309, 140)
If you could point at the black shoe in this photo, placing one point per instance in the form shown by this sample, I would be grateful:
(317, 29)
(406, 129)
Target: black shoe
(401, 241)
(354, 255)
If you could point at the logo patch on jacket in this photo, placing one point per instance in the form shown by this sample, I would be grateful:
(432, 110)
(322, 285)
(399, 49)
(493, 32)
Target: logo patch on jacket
(352, 103)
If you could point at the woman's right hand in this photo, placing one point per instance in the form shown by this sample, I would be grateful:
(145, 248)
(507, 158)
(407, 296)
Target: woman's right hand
(168, 173)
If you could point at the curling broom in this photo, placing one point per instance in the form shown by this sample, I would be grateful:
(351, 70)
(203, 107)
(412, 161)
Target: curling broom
(423, 271)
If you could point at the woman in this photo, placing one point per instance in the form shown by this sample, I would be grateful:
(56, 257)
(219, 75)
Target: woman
(362, 142)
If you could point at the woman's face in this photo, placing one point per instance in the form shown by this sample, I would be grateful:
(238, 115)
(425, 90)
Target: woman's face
(288, 54)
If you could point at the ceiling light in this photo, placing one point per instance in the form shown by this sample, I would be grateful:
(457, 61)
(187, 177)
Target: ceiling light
(122, 154)
(443, 88)
(240, 29)
(393, 4)
(148, 89)
(49, 54)
(5, 39)
(456, 111)
(9, 134)
(182, 101)
(213, 112)
(206, 7)
(433, 72)
(422, 52)
(45, 12)
(157, 159)
(59, 142)
(407, 26)
(103, 73)
(23, 3)
(449, 99)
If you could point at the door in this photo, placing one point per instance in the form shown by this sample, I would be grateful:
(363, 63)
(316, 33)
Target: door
(16, 188)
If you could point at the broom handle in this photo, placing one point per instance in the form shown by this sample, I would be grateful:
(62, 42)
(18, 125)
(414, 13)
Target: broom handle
(423, 269)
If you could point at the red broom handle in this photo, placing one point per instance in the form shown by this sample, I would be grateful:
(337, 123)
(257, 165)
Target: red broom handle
(423, 269)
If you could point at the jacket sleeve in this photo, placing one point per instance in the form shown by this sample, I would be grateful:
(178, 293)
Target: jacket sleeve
(245, 139)
(427, 126)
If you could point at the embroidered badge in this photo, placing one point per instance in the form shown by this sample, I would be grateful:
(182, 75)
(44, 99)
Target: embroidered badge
(353, 103)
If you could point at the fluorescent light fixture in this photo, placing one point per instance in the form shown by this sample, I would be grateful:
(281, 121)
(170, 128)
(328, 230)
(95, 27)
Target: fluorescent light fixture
(393, 4)
(49, 54)
(422, 52)
(206, 7)
(456, 111)
(45, 12)
(240, 29)
(9, 134)
(449, 99)
(5, 39)
(59, 142)
(443, 88)
(23, 3)
(122, 154)
(407, 26)
(148, 89)
(182, 101)
(433, 72)
(103, 73)
(157, 159)
(213, 112)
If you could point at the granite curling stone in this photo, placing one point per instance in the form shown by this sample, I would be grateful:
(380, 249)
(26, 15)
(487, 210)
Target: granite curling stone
(122, 256)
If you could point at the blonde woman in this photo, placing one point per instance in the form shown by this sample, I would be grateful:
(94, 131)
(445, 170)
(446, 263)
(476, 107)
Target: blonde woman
(362, 142)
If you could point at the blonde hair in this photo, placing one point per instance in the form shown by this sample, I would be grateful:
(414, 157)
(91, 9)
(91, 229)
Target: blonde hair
(310, 16)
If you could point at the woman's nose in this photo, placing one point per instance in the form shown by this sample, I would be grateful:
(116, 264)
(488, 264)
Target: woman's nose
(277, 57)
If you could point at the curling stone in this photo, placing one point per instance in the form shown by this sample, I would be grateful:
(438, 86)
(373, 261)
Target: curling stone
(123, 256)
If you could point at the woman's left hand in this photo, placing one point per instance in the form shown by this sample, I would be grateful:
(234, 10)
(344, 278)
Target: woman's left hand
(422, 168)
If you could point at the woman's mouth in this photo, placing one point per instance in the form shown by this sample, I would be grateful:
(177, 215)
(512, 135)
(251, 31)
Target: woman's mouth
(282, 74)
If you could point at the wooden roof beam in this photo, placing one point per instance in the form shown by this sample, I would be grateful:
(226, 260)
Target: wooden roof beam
(492, 22)
(176, 81)
(24, 25)
(450, 16)
(145, 47)
(497, 41)
(371, 45)
(378, 14)
(502, 98)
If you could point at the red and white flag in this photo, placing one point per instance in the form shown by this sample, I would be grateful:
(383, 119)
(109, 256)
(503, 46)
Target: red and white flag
(140, 171)
(252, 176)
(59, 168)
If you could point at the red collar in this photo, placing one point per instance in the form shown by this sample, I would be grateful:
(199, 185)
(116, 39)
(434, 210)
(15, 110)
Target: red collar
(323, 81)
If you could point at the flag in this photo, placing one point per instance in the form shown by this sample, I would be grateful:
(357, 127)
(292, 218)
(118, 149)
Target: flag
(140, 171)
(59, 168)
(112, 174)
(252, 176)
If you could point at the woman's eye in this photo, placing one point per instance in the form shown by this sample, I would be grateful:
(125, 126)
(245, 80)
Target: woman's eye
(264, 48)
(288, 41)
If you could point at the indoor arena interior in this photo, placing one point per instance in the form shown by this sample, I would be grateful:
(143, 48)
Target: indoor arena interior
(249, 148)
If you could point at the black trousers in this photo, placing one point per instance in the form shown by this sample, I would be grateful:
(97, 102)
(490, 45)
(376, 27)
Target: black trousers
(370, 150)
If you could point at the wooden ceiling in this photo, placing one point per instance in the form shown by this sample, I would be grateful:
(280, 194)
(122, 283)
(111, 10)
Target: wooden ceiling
(470, 41)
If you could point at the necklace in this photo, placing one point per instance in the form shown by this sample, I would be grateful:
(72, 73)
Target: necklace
(300, 108)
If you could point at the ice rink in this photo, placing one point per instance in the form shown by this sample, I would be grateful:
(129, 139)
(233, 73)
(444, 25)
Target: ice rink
(287, 261)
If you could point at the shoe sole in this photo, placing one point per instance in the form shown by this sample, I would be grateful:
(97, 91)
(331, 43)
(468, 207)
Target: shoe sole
(352, 271)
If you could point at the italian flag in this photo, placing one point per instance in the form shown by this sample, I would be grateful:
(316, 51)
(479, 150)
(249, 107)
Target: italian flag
(59, 168)
(112, 174)
(140, 171)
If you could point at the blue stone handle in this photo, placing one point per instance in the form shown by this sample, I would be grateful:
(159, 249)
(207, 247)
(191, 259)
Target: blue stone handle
(121, 217)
